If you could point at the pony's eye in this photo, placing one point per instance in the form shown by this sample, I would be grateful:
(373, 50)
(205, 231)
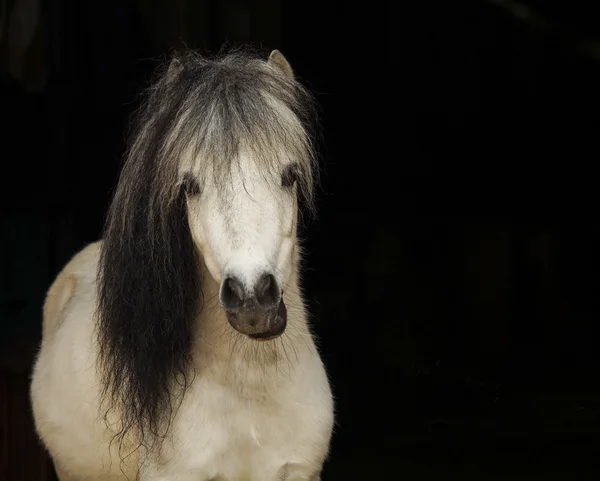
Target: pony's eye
(289, 175)
(190, 185)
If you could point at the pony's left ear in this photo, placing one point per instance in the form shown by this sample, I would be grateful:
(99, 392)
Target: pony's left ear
(279, 62)
(174, 69)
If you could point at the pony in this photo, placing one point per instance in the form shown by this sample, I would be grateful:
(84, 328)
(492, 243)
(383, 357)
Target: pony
(178, 346)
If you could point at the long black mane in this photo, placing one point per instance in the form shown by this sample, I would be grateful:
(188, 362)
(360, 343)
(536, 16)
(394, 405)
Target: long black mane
(150, 293)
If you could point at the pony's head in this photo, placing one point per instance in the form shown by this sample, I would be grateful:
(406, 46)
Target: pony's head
(242, 169)
(219, 162)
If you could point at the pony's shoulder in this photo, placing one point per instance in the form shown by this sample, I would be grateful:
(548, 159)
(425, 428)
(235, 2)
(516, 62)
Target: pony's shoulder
(86, 257)
(79, 271)
(84, 263)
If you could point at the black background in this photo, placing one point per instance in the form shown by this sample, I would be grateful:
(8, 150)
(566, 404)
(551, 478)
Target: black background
(453, 269)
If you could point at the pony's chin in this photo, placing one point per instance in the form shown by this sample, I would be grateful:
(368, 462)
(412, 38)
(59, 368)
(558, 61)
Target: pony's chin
(265, 338)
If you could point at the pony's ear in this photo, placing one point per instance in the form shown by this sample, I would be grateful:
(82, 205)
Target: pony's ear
(174, 69)
(279, 62)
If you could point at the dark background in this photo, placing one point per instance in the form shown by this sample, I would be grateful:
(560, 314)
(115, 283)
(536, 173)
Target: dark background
(452, 272)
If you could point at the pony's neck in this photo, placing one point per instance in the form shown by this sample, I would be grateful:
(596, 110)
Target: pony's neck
(225, 354)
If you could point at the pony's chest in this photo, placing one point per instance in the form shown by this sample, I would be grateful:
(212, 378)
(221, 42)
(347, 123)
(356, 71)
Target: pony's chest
(230, 438)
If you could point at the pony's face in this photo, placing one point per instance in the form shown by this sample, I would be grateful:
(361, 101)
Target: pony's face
(244, 225)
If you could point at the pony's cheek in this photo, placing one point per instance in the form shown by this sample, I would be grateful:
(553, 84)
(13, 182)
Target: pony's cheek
(285, 261)
(204, 249)
(209, 259)
(213, 267)
(293, 219)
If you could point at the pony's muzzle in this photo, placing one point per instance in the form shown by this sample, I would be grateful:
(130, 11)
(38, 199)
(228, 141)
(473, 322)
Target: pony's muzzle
(259, 311)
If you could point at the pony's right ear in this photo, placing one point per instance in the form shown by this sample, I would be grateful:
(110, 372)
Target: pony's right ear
(279, 62)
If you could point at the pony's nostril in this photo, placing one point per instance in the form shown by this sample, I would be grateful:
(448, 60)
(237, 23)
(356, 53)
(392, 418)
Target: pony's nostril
(232, 293)
(264, 283)
(266, 290)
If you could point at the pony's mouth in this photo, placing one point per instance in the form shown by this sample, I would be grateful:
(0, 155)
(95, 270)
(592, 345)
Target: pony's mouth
(259, 324)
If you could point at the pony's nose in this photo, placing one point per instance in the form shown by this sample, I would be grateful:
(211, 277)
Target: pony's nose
(235, 296)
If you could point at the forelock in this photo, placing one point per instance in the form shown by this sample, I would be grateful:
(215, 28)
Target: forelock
(201, 114)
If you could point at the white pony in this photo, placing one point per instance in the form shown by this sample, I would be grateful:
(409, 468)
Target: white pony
(177, 348)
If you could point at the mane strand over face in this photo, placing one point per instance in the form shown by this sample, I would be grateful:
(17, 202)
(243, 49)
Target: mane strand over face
(197, 117)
